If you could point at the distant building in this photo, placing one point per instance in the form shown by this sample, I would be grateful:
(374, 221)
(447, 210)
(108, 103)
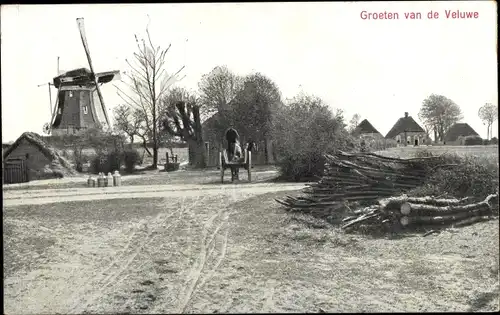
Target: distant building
(457, 133)
(366, 129)
(406, 131)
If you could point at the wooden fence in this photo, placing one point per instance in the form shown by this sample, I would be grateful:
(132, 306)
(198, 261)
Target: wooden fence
(15, 171)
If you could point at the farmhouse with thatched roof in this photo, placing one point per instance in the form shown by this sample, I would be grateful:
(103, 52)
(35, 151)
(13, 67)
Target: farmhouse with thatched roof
(457, 133)
(407, 131)
(42, 160)
(366, 129)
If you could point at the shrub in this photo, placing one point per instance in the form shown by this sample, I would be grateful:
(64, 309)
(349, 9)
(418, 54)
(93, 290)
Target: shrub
(494, 140)
(131, 158)
(473, 140)
(466, 176)
(303, 132)
(79, 160)
(424, 153)
(373, 144)
(107, 162)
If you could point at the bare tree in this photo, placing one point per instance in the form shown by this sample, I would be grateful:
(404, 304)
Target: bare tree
(218, 88)
(354, 122)
(488, 114)
(126, 122)
(148, 83)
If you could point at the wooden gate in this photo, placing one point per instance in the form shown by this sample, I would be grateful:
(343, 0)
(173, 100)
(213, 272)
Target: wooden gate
(15, 171)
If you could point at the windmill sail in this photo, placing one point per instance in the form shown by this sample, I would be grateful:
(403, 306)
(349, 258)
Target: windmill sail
(81, 27)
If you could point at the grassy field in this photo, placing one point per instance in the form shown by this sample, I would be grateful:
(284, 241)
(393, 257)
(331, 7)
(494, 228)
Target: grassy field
(490, 151)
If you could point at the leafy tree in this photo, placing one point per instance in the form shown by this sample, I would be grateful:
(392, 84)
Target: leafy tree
(439, 113)
(148, 81)
(488, 114)
(254, 107)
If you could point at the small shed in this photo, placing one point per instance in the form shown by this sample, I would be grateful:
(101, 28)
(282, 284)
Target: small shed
(41, 160)
(457, 133)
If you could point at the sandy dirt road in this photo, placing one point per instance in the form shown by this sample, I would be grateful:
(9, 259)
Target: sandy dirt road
(28, 197)
(225, 248)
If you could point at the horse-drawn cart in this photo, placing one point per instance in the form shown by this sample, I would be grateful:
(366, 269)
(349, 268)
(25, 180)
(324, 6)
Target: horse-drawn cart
(235, 166)
(230, 159)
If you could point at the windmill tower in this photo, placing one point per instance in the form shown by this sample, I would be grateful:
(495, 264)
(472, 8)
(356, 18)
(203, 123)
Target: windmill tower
(79, 104)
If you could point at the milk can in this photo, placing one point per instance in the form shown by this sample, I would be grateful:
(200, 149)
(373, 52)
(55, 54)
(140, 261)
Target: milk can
(100, 180)
(109, 180)
(117, 179)
(89, 181)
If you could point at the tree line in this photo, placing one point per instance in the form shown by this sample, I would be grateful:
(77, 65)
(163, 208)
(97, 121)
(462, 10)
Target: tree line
(156, 111)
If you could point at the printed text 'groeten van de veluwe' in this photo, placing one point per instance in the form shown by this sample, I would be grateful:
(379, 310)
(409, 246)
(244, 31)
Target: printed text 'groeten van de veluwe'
(448, 14)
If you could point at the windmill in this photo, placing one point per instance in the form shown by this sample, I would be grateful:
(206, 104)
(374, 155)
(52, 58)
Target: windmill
(79, 103)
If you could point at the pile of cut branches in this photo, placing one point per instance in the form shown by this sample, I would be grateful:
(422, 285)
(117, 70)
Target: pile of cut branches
(403, 212)
(357, 180)
(361, 177)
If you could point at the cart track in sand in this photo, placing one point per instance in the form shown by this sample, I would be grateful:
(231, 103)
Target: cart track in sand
(90, 288)
(123, 261)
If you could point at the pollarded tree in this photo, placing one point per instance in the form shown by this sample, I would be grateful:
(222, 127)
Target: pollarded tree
(181, 118)
(488, 114)
(439, 113)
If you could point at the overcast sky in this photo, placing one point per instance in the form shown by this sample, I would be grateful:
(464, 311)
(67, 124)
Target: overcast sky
(377, 68)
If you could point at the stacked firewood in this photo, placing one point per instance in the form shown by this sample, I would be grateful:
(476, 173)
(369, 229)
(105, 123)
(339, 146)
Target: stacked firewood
(367, 179)
(403, 212)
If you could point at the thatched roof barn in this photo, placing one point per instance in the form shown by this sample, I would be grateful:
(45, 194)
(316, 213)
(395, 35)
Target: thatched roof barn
(407, 131)
(42, 160)
(404, 124)
(459, 130)
(366, 128)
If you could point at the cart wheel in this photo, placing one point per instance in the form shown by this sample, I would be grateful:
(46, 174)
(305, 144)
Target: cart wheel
(249, 166)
